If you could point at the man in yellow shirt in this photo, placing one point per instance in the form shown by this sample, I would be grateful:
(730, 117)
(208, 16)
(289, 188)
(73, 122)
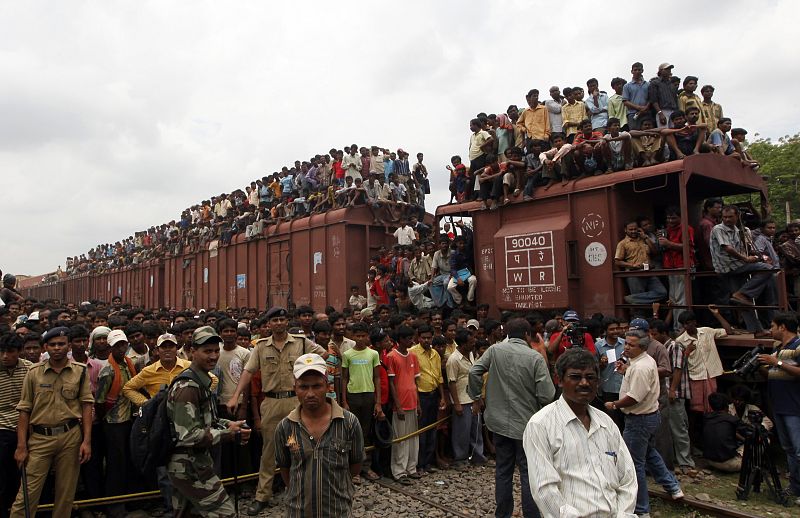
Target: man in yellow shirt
(688, 98)
(158, 374)
(711, 111)
(430, 387)
(573, 112)
(534, 121)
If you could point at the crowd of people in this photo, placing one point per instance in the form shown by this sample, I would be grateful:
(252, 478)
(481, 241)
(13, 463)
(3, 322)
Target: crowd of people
(386, 181)
(582, 132)
(741, 249)
(393, 372)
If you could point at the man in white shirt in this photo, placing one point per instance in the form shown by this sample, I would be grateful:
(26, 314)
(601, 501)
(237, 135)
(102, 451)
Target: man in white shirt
(639, 402)
(578, 462)
(467, 434)
(405, 234)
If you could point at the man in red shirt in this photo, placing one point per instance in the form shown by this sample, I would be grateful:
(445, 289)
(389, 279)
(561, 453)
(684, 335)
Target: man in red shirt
(565, 338)
(672, 243)
(381, 457)
(713, 289)
(403, 369)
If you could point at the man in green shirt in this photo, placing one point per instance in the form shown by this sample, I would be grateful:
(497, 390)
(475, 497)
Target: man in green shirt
(363, 388)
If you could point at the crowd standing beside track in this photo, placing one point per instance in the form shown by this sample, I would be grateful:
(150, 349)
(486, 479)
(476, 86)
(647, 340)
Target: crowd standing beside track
(412, 349)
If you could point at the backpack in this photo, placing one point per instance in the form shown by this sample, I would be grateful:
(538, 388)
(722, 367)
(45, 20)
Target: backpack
(153, 438)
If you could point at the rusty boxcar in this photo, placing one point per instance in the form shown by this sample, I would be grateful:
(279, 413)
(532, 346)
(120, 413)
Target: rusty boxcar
(557, 251)
(312, 260)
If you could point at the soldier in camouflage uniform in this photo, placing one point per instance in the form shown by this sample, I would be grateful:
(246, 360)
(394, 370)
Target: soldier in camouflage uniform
(193, 412)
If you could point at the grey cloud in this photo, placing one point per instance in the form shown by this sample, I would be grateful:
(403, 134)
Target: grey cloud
(114, 117)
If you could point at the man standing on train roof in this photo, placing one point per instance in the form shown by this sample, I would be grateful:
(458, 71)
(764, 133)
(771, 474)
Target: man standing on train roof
(274, 357)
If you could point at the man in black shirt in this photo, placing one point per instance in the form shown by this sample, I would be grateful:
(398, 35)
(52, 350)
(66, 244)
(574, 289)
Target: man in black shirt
(720, 435)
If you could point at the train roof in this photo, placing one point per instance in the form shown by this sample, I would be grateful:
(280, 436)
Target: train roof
(709, 172)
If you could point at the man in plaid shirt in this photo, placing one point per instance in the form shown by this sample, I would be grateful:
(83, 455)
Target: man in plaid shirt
(680, 390)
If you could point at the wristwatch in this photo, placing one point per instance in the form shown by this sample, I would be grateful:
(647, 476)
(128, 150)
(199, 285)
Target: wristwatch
(779, 364)
(613, 406)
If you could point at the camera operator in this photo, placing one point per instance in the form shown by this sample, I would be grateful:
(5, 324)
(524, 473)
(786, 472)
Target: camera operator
(783, 385)
(570, 335)
(723, 435)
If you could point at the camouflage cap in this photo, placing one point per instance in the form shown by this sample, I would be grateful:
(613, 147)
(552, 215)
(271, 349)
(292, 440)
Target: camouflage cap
(205, 334)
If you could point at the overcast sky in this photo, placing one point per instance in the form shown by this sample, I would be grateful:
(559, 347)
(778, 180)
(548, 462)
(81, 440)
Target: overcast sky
(114, 116)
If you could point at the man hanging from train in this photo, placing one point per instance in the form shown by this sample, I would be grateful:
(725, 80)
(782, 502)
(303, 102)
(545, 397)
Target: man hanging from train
(735, 257)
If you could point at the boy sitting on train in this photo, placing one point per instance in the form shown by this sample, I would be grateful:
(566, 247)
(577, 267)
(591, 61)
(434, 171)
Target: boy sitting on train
(686, 136)
(616, 148)
(558, 163)
(533, 167)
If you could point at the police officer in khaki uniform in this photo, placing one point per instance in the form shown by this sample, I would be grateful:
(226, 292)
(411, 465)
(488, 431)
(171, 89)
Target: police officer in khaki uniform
(274, 357)
(56, 405)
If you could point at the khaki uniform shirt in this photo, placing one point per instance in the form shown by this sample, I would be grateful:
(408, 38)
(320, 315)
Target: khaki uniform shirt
(632, 251)
(420, 269)
(53, 398)
(277, 366)
(641, 383)
(458, 367)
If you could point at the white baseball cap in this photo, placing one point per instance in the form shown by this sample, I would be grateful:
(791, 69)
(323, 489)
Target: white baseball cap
(309, 362)
(117, 335)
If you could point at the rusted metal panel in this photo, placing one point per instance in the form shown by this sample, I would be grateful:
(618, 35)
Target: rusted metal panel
(308, 261)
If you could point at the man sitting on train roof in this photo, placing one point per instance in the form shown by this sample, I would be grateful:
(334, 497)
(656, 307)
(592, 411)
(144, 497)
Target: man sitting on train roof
(632, 254)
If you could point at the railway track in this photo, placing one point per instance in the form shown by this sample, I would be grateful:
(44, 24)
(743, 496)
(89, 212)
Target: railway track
(706, 507)
(416, 496)
(693, 503)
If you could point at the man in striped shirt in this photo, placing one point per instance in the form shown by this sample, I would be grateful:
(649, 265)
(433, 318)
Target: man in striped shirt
(578, 462)
(12, 373)
(318, 447)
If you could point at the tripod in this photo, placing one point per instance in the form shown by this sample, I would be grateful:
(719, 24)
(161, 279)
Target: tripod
(757, 467)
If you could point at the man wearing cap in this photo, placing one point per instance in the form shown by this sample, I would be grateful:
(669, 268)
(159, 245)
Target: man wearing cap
(273, 357)
(192, 410)
(151, 379)
(114, 411)
(638, 400)
(55, 407)
(565, 338)
(12, 375)
(157, 374)
(663, 95)
(319, 447)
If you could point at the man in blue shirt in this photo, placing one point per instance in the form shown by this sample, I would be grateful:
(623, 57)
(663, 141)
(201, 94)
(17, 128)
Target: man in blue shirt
(783, 386)
(719, 139)
(609, 350)
(635, 95)
(287, 183)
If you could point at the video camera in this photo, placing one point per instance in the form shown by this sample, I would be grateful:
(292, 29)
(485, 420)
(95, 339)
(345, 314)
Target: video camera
(575, 335)
(748, 363)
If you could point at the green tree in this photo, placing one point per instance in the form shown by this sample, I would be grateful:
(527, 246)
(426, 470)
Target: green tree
(780, 164)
